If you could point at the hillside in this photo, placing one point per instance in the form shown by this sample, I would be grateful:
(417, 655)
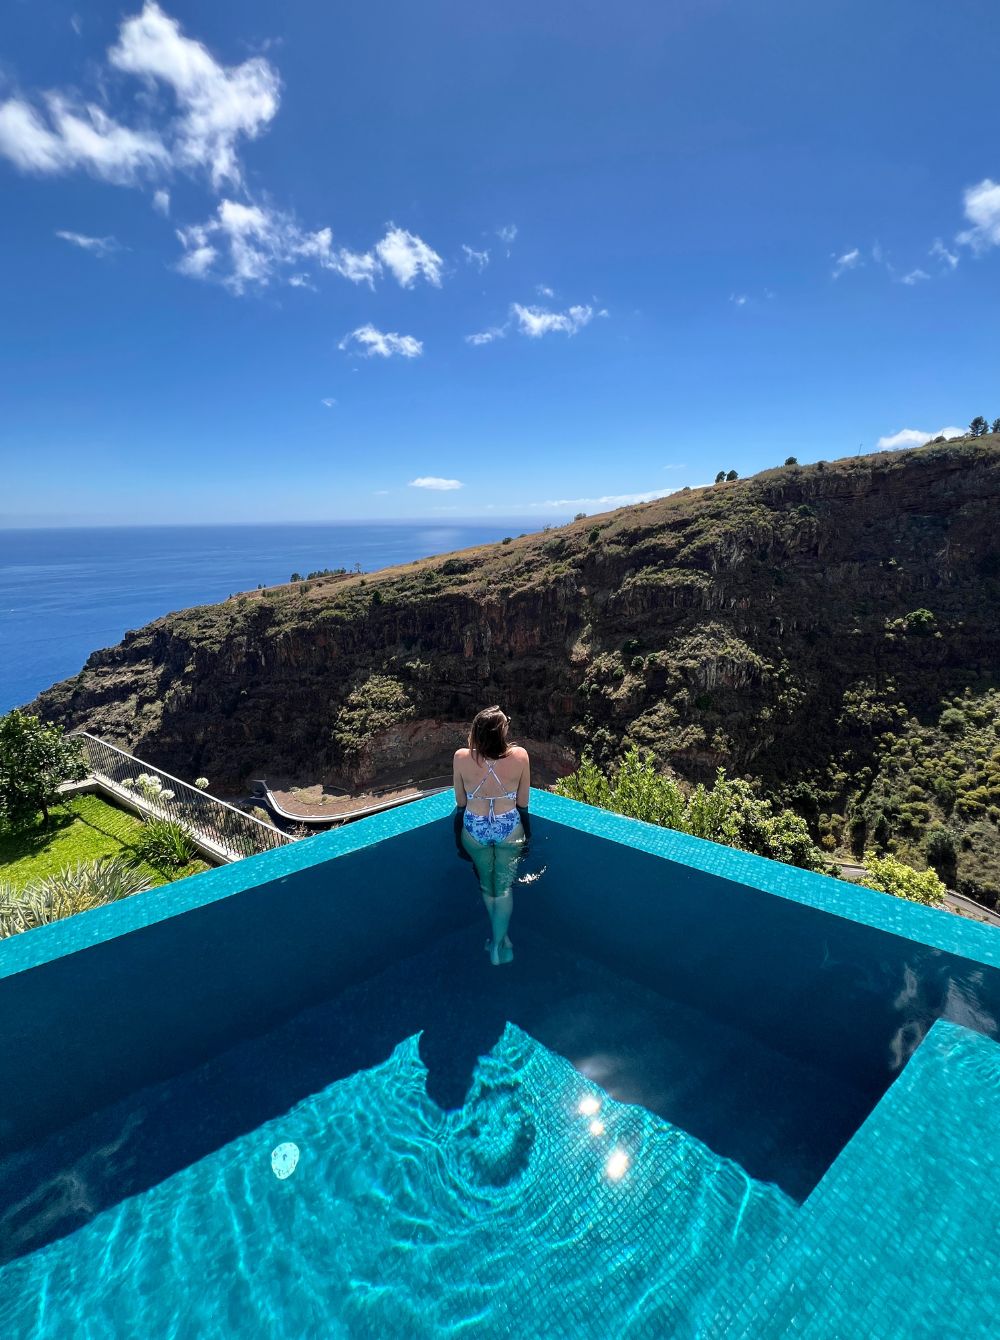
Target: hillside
(808, 626)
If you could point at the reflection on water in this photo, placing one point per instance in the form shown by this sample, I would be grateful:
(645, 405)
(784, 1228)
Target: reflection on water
(519, 1213)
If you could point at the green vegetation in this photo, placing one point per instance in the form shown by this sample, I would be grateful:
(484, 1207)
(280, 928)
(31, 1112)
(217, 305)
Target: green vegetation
(165, 844)
(35, 759)
(86, 828)
(78, 888)
(731, 811)
(373, 706)
(887, 874)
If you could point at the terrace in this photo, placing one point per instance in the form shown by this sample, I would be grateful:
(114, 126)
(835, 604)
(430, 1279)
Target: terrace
(712, 1096)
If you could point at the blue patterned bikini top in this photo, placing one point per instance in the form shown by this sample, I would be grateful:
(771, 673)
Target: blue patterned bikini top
(504, 795)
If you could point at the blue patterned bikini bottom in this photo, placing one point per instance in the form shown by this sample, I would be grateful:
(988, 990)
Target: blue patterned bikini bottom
(491, 829)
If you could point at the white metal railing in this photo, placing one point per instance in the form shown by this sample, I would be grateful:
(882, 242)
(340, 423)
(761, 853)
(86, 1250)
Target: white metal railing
(207, 818)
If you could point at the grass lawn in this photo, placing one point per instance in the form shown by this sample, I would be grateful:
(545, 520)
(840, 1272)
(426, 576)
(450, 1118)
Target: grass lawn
(83, 829)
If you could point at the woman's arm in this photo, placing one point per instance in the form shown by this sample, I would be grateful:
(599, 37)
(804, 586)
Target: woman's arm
(457, 781)
(524, 785)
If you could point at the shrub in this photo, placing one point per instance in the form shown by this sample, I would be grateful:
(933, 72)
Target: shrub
(952, 721)
(887, 874)
(939, 847)
(580, 516)
(594, 535)
(372, 706)
(791, 460)
(507, 539)
(164, 843)
(729, 812)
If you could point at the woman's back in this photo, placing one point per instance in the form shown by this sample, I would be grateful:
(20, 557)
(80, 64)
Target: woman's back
(503, 780)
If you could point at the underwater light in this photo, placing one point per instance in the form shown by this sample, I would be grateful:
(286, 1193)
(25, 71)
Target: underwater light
(284, 1160)
(617, 1165)
(589, 1105)
(597, 1127)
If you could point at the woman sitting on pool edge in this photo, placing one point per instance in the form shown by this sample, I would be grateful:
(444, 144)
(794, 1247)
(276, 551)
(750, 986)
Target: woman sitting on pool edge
(492, 825)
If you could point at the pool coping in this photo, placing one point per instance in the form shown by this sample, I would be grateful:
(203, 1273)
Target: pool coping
(941, 930)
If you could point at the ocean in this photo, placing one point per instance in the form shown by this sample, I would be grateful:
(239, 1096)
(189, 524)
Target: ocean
(65, 593)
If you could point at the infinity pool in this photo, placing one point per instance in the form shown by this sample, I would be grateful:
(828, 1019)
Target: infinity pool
(635, 1129)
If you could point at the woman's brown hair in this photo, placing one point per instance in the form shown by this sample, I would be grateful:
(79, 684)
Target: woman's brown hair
(488, 733)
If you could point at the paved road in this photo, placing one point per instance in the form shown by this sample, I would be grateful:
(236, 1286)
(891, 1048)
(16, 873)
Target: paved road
(965, 907)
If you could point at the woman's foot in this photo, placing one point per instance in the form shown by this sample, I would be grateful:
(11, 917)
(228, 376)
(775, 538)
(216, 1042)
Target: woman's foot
(504, 953)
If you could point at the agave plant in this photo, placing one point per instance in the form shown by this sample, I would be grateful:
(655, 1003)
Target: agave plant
(74, 889)
(164, 842)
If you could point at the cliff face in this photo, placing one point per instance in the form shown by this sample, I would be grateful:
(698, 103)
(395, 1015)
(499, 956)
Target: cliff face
(737, 625)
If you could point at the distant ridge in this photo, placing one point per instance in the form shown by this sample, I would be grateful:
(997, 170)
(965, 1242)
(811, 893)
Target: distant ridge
(762, 625)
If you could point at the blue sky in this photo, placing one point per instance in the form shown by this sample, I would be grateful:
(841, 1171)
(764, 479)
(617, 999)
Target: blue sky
(324, 261)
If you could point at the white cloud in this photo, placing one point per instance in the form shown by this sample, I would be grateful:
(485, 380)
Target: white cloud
(982, 209)
(380, 493)
(487, 336)
(480, 259)
(544, 291)
(97, 246)
(329, 401)
(605, 501)
(408, 256)
(738, 299)
(70, 137)
(161, 202)
(384, 344)
(914, 437)
(435, 483)
(199, 256)
(538, 321)
(253, 243)
(941, 252)
(848, 261)
(216, 104)
(359, 267)
(914, 277)
(214, 107)
(507, 233)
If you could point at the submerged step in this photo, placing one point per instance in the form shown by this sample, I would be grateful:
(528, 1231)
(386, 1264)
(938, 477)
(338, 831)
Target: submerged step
(901, 1238)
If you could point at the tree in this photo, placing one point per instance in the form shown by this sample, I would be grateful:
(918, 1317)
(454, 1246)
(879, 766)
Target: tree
(295, 577)
(720, 477)
(978, 427)
(791, 460)
(731, 476)
(580, 516)
(996, 426)
(35, 759)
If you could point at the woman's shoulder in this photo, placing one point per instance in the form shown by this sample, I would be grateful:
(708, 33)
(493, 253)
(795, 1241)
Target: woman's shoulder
(462, 754)
(517, 751)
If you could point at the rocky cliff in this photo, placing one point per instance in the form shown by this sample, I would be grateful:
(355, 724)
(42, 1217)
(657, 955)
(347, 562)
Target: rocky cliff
(751, 625)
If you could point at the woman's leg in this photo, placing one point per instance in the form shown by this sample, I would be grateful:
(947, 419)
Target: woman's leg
(501, 906)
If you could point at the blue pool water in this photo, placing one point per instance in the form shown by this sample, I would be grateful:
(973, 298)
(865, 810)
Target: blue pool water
(801, 1075)
(513, 1214)
(451, 1189)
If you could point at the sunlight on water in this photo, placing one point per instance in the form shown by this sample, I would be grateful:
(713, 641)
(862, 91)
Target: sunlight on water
(520, 1213)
